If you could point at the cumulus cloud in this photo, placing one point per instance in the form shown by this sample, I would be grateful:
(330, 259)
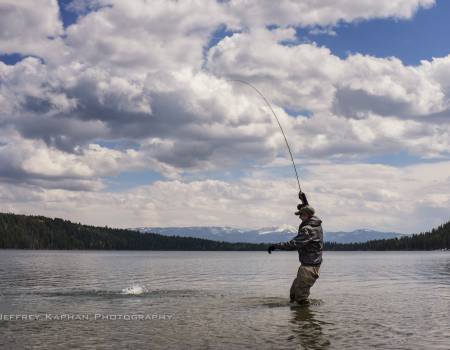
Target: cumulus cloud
(386, 87)
(360, 105)
(354, 87)
(182, 121)
(324, 13)
(35, 163)
(145, 85)
(185, 112)
(346, 196)
(145, 37)
(29, 29)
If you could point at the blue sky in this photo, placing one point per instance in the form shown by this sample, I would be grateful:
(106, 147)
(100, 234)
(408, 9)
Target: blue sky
(423, 37)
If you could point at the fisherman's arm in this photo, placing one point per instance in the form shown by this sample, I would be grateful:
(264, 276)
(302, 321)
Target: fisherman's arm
(297, 242)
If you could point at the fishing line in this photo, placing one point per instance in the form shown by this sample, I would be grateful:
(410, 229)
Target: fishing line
(278, 121)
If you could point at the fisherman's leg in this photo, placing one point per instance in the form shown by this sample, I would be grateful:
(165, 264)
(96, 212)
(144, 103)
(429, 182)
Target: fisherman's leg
(299, 289)
(306, 277)
(292, 290)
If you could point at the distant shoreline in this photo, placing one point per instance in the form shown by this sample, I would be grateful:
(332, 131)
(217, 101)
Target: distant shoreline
(43, 233)
(203, 250)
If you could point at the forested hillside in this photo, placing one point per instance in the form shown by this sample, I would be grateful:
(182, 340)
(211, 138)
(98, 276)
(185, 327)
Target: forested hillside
(38, 232)
(437, 238)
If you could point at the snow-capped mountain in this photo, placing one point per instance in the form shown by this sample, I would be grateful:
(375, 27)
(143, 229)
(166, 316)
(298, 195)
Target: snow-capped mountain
(264, 235)
(358, 236)
(227, 234)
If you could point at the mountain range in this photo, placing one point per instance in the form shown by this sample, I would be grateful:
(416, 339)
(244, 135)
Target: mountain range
(39, 232)
(265, 235)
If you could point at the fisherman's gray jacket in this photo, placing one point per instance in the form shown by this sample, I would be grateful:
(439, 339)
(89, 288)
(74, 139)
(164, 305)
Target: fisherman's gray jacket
(309, 242)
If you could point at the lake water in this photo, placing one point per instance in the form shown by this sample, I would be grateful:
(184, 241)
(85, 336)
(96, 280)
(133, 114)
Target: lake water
(221, 300)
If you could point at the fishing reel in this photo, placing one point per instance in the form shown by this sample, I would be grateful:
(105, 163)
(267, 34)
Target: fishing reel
(304, 202)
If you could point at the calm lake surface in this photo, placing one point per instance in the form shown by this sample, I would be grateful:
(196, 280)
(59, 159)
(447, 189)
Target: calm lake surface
(222, 300)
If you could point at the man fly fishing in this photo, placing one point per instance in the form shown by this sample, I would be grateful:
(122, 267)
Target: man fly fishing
(309, 240)
(309, 243)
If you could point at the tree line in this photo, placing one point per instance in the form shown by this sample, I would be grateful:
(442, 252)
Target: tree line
(39, 232)
(437, 238)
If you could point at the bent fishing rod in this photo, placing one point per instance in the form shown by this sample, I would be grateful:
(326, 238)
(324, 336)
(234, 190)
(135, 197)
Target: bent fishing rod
(302, 196)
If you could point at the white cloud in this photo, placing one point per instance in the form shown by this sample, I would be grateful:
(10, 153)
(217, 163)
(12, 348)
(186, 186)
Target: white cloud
(438, 69)
(28, 28)
(34, 163)
(361, 105)
(322, 31)
(310, 77)
(345, 196)
(324, 12)
(387, 87)
(141, 77)
(142, 37)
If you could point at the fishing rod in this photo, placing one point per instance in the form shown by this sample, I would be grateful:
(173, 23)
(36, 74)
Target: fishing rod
(302, 196)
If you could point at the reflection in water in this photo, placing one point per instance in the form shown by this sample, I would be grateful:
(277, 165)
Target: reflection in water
(307, 329)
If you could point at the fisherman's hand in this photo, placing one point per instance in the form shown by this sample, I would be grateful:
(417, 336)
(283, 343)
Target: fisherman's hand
(300, 195)
(271, 248)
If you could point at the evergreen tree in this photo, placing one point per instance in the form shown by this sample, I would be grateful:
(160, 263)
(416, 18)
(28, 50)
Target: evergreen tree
(38, 232)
